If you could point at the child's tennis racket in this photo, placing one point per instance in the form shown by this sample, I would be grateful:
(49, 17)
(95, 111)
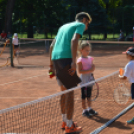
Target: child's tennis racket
(121, 94)
(94, 90)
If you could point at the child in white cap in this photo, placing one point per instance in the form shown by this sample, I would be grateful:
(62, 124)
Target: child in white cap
(15, 44)
(129, 73)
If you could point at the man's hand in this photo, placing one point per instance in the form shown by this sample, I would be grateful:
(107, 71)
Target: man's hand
(51, 69)
(72, 69)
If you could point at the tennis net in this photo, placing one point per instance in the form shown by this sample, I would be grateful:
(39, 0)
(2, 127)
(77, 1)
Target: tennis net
(44, 115)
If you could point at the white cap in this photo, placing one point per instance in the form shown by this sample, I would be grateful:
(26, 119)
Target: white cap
(133, 28)
(15, 34)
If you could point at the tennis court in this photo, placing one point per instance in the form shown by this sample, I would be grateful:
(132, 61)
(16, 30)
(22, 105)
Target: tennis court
(25, 83)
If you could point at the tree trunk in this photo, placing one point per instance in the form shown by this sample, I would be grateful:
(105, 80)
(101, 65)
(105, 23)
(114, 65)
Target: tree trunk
(105, 34)
(30, 29)
(8, 17)
(30, 21)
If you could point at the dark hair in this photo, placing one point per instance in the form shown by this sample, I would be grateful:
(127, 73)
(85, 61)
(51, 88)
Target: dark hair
(82, 15)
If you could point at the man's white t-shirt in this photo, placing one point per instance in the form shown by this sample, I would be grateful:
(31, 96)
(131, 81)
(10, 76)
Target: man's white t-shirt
(129, 71)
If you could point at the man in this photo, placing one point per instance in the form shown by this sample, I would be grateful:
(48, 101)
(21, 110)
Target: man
(121, 38)
(63, 51)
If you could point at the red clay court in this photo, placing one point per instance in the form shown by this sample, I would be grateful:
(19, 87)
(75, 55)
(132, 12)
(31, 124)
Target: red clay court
(29, 81)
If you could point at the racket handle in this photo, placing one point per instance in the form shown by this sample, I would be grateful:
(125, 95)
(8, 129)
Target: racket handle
(121, 71)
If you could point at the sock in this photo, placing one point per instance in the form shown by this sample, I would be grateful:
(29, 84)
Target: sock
(89, 108)
(84, 110)
(64, 117)
(69, 123)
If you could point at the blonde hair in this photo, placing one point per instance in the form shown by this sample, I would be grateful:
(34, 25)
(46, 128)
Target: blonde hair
(82, 45)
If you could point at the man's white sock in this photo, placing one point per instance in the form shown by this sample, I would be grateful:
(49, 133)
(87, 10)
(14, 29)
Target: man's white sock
(69, 123)
(64, 117)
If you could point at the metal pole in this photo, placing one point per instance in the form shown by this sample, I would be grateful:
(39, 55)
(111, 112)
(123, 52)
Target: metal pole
(11, 53)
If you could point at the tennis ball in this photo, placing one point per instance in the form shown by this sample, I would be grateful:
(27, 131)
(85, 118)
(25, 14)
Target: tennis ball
(50, 73)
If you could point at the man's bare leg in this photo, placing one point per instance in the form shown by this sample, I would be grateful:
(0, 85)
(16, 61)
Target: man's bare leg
(70, 107)
(63, 101)
(63, 108)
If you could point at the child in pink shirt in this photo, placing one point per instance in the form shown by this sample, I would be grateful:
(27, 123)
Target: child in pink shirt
(86, 68)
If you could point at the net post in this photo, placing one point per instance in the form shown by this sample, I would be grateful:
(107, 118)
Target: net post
(11, 53)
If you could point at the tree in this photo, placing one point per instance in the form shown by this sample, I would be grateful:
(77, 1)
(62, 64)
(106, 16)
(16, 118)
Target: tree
(3, 4)
(43, 14)
(98, 14)
(124, 16)
(8, 15)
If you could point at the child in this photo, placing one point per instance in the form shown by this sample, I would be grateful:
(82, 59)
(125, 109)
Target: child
(85, 68)
(129, 73)
(16, 44)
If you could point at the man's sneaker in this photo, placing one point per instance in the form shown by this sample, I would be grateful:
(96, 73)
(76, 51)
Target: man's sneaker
(64, 125)
(86, 113)
(131, 121)
(73, 129)
(92, 112)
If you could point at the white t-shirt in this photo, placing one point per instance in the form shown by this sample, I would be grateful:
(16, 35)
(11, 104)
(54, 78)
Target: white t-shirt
(129, 71)
(15, 41)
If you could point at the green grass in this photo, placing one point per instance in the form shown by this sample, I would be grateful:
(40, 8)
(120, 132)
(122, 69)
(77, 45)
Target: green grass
(101, 36)
(36, 36)
(93, 36)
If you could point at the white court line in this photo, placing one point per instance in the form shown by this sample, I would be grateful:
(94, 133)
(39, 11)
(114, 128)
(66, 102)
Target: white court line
(19, 97)
(21, 80)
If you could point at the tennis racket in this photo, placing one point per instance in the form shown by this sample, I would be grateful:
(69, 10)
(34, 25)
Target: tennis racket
(94, 90)
(121, 93)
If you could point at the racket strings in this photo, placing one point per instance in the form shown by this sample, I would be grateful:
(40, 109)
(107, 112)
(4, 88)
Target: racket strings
(121, 94)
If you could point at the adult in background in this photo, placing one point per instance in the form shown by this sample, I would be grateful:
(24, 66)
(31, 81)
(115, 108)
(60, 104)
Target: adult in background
(121, 38)
(15, 42)
(3, 35)
(9, 35)
(63, 51)
(47, 46)
(133, 33)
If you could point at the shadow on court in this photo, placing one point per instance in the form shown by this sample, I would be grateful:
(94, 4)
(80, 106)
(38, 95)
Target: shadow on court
(116, 124)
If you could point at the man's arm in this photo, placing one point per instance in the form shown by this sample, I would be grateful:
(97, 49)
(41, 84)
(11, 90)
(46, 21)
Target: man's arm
(50, 51)
(51, 69)
(74, 45)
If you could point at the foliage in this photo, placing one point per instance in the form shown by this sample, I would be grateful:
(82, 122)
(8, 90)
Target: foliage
(46, 16)
(43, 13)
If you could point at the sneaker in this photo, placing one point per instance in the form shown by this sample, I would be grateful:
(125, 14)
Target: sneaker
(86, 113)
(92, 112)
(131, 121)
(64, 125)
(73, 129)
